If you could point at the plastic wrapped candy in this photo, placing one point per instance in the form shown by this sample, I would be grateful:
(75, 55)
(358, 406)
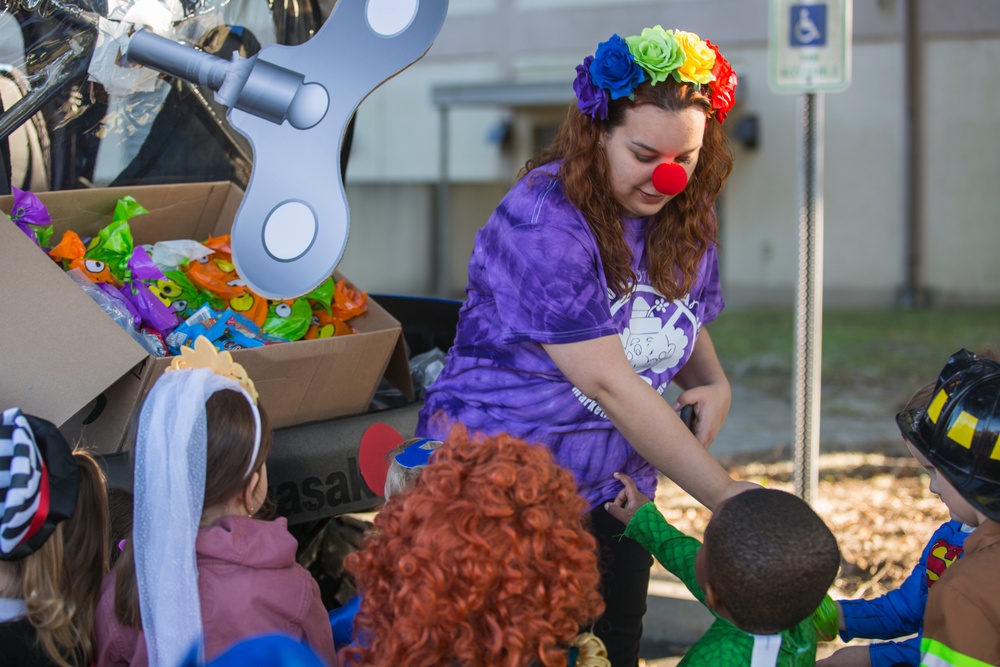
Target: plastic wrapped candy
(325, 325)
(188, 330)
(154, 313)
(70, 247)
(113, 246)
(169, 255)
(70, 251)
(288, 319)
(227, 330)
(127, 208)
(232, 331)
(251, 305)
(183, 296)
(30, 214)
(112, 302)
(322, 295)
(216, 274)
(347, 302)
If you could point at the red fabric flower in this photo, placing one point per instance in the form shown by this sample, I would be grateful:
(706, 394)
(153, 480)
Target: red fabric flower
(724, 85)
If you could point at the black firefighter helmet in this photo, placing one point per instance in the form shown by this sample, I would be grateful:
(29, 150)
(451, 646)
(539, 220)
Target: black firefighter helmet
(959, 432)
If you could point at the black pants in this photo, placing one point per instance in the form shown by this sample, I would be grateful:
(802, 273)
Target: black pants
(624, 583)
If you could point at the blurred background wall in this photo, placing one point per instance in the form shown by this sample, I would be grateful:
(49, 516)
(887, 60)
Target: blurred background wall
(483, 87)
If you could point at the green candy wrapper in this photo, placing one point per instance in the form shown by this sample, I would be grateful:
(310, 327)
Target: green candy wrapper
(113, 245)
(127, 208)
(322, 295)
(288, 319)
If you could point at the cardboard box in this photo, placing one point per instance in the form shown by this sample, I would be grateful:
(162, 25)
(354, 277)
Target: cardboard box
(66, 360)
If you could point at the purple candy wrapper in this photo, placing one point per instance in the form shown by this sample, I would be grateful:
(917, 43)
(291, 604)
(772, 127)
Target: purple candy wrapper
(153, 313)
(142, 267)
(31, 216)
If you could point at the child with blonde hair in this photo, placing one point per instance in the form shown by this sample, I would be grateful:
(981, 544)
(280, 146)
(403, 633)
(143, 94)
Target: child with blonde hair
(53, 545)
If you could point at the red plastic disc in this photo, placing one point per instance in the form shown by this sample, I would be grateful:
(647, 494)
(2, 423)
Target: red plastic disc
(670, 178)
(377, 441)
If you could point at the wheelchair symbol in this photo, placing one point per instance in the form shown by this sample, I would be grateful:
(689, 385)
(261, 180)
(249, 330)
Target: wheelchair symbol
(807, 25)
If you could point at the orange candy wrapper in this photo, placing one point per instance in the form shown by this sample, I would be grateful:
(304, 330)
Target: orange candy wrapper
(348, 303)
(70, 251)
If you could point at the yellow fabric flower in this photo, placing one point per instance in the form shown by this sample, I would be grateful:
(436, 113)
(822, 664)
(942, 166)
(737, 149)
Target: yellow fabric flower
(699, 59)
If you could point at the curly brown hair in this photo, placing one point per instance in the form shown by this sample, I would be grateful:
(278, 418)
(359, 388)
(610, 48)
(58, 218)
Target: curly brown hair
(683, 229)
(486, 560)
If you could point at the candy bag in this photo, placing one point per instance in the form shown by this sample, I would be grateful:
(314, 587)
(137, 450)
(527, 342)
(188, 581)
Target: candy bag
(127, 208)
(112, 302)
(325, 325)
(69, 248)
(113, 246)
(322, 295)
(188, 330)
(183, 296)
(232, 331)
(155, 313)
(252, 305)
(288, 319)
(30, 214)
(347, 302)
(169, 255)
(216, 275)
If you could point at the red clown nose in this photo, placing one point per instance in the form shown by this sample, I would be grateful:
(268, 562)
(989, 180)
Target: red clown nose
(670, 178)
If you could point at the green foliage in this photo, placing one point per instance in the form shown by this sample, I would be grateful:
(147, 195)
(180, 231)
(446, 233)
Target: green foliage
(901, 348)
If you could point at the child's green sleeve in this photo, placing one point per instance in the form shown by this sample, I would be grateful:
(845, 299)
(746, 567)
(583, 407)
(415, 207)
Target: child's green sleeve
(672, 548)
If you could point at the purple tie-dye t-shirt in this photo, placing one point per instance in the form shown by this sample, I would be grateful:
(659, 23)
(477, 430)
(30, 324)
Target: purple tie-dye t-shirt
(536, 277)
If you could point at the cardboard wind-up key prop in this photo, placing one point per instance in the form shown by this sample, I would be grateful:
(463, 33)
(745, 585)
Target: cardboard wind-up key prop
(293, 103)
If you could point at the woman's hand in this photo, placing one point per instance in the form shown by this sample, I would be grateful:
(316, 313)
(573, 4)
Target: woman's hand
(628, 500)
(706, 388)
(711, 405)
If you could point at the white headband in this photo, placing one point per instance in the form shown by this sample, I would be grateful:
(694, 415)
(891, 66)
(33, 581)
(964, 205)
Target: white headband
(170, 464)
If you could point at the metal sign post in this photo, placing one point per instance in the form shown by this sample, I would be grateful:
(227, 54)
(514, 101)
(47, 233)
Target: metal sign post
(810, 51)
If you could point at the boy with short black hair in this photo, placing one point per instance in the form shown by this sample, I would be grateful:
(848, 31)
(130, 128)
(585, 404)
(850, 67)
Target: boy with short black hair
(763, 570)
(959, 434)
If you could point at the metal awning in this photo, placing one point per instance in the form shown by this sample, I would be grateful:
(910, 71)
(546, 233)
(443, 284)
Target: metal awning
(504, 94)
(496, 94)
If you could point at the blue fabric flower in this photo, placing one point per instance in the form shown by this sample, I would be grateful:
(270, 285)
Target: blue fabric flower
(614, 68)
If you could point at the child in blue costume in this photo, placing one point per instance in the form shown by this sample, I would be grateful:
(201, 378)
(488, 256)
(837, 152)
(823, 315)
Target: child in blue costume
(763, 571)
(400, 470)
(900, 612)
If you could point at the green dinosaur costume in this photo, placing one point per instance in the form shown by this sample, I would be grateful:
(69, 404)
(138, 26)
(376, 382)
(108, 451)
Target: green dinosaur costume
(723, 643)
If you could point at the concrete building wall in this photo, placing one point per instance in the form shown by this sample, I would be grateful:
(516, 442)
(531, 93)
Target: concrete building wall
(393, 178)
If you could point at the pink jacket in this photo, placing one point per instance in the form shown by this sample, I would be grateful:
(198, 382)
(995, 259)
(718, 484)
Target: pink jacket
(249, 583)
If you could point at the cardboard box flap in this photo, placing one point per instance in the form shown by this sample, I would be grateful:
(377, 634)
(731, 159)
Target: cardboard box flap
(175, 211)
(60, 348)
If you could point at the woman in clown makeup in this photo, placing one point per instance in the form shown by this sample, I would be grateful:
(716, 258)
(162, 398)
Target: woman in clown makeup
(615, 217)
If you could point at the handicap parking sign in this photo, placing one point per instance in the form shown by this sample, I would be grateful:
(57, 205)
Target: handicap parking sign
(807, 25)
(809, 45)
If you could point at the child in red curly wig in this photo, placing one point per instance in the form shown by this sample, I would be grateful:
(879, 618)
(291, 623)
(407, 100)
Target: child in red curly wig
(486, 560)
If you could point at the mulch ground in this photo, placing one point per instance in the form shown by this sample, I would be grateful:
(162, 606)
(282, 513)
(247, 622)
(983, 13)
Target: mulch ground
(878, 506)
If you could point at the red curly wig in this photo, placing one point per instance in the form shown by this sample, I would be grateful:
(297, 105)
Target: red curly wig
(486, 560)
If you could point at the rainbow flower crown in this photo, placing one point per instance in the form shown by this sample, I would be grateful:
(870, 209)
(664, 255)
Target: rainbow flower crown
(619, 65)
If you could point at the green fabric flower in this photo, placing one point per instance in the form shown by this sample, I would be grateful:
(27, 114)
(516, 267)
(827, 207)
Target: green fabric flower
(657, 52)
